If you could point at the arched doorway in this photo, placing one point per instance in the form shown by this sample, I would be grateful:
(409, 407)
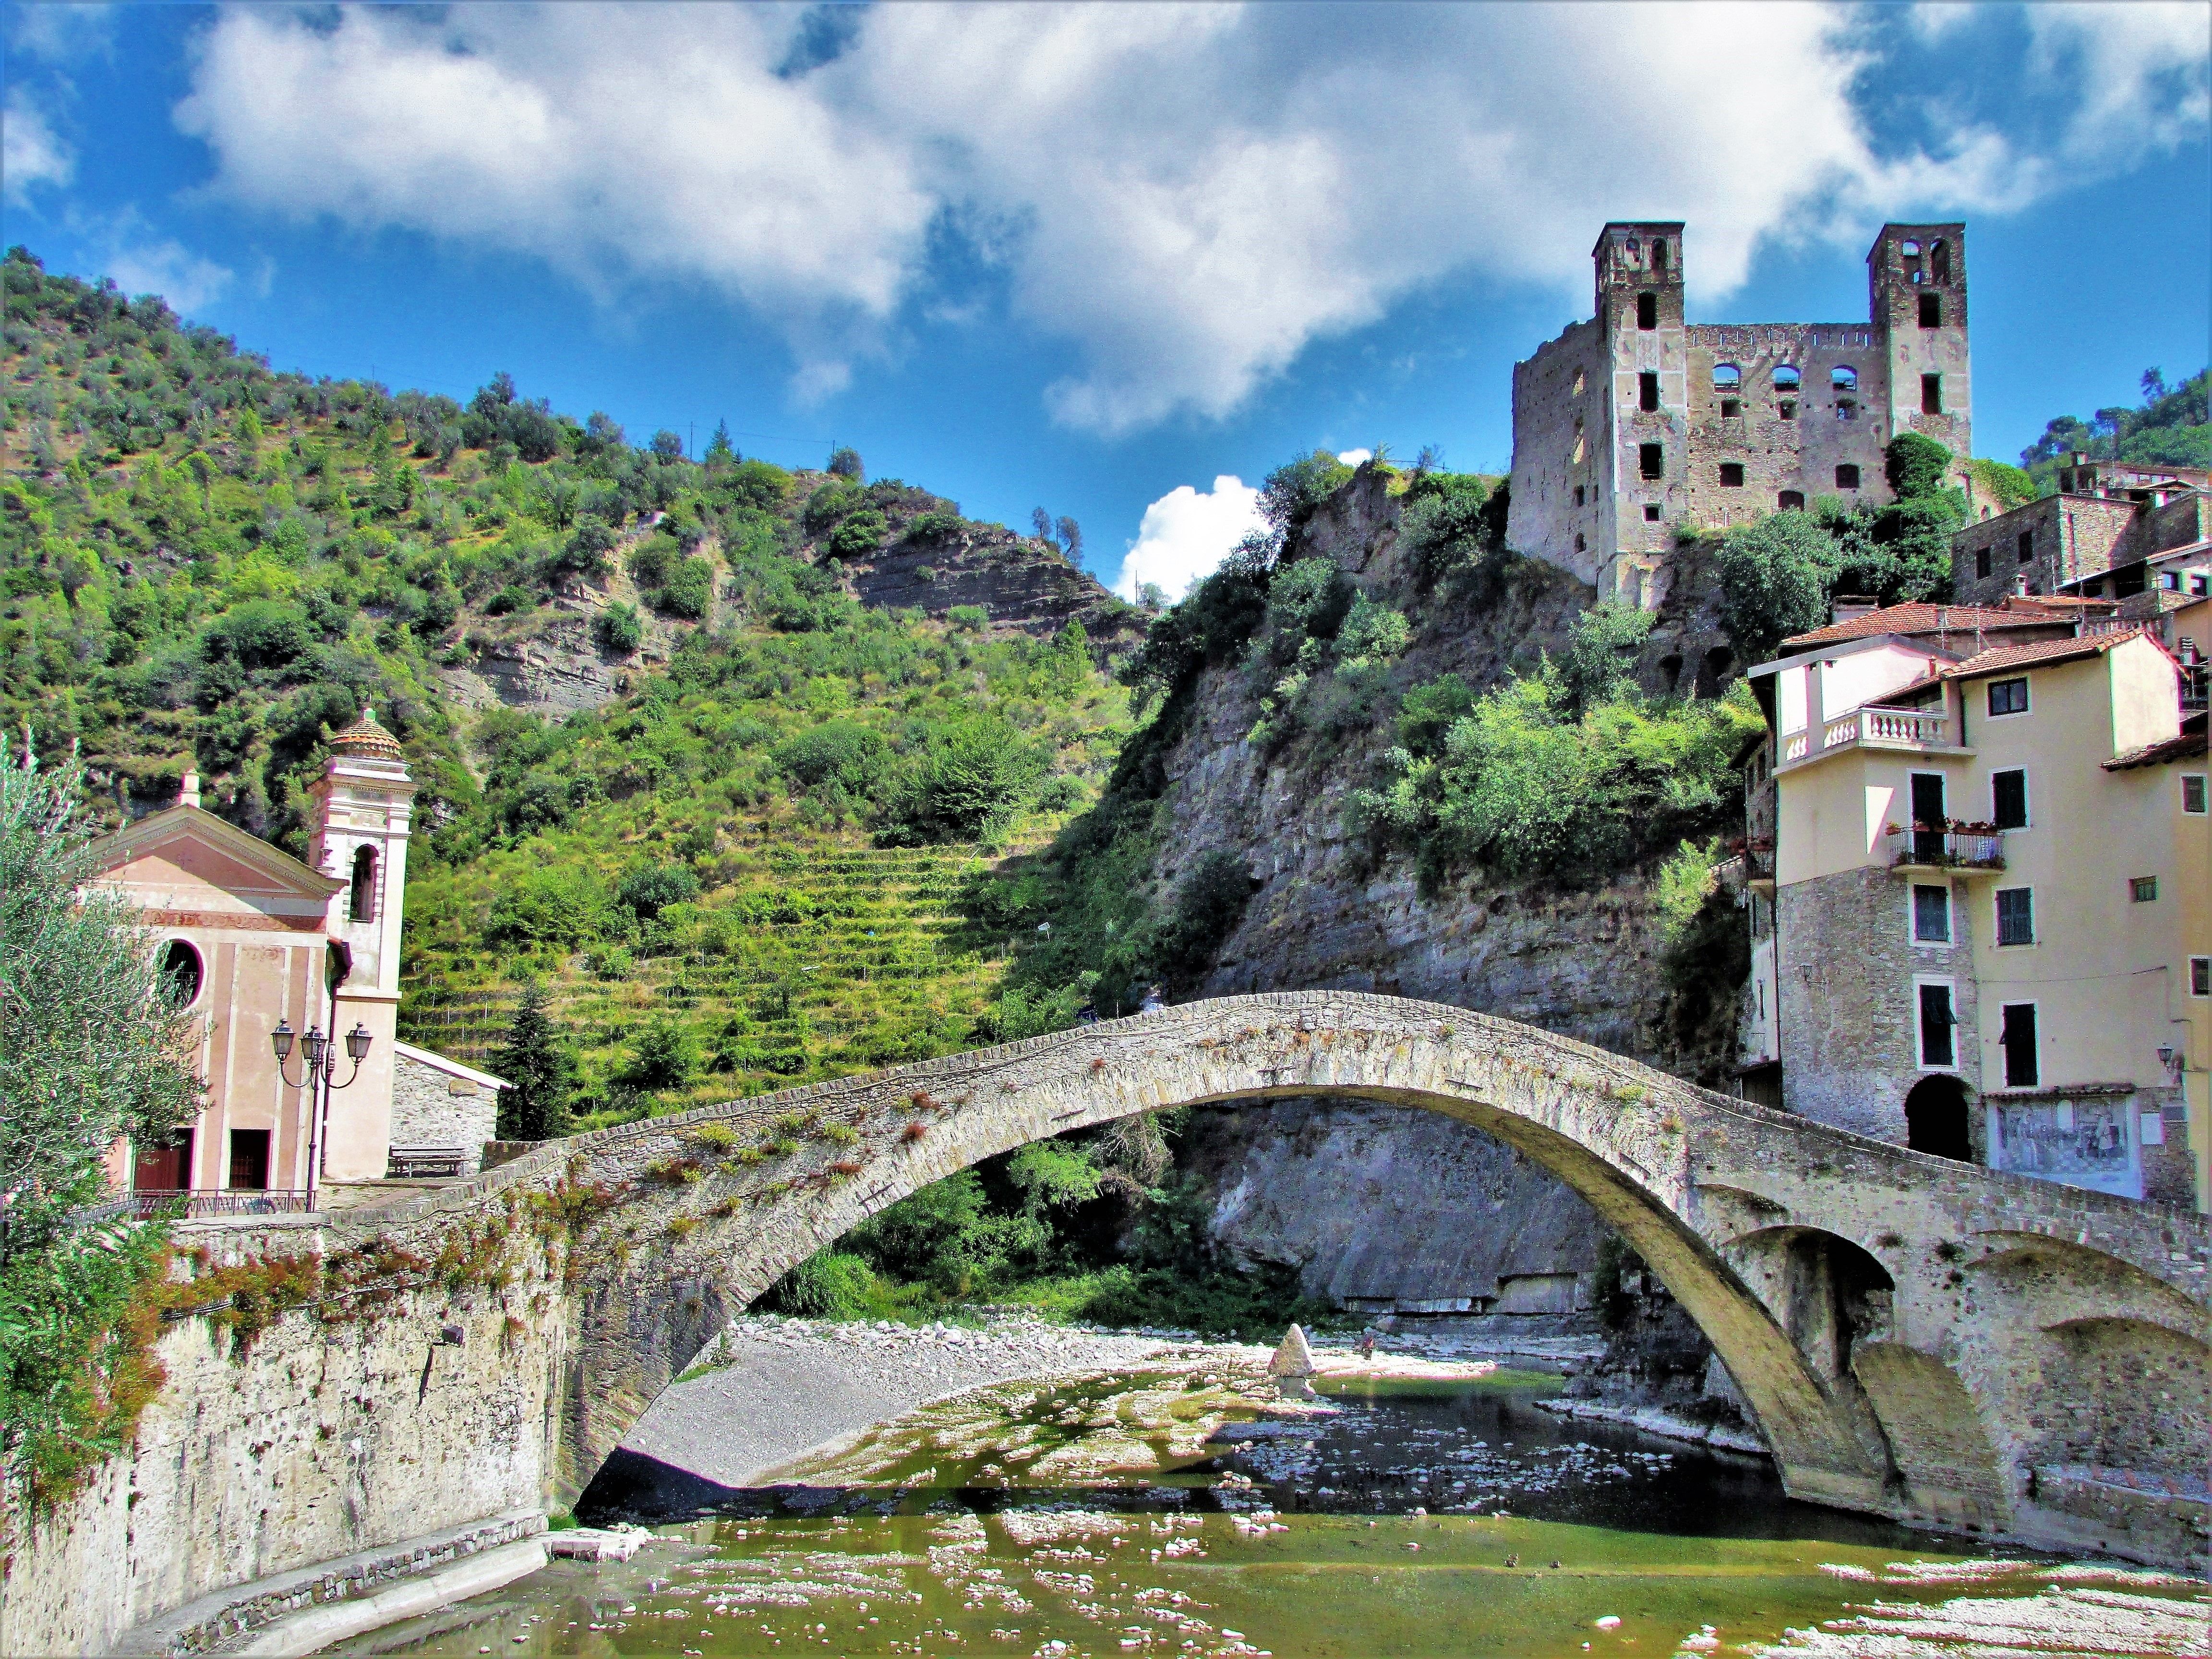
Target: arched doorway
(1936, 1119)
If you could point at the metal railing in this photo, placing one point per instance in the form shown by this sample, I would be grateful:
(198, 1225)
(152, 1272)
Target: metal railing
(1952, 849)
(198, 1201)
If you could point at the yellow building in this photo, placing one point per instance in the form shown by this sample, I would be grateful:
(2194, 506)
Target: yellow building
(1983, 928)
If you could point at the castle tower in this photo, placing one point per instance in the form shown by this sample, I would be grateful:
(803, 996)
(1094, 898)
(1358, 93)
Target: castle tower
(1917, 298)
(1645, 347)
(362, 807)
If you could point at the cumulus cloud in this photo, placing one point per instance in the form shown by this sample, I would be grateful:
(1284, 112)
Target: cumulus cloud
(30, 153)
(1186, 533)
(1354, 457)
(1188, 196)
(141, 260)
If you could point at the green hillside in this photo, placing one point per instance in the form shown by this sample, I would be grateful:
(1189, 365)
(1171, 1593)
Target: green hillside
(735, 873)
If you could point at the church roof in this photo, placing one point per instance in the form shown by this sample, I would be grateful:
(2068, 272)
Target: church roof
(368, 740)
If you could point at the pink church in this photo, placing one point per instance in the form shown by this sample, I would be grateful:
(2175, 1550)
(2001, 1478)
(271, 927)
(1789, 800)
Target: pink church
(268, 947)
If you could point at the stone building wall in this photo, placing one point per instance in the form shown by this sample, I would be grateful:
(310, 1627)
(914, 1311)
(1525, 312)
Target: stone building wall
(1844, 978)
(432, 1108)
(1562, 442)
(2067, 536)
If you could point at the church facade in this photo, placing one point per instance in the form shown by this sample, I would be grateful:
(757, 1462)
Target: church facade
(256, 940)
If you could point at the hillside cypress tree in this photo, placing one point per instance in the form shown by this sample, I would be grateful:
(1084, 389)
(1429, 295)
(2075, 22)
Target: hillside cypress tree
(536, 1061)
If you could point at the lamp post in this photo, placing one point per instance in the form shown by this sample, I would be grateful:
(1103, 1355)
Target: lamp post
(319, 1054)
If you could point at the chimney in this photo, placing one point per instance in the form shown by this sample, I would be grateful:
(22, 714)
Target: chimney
(188, 793)
(1850, 607)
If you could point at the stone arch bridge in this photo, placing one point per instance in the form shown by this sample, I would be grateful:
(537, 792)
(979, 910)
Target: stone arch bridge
(1915, 1338)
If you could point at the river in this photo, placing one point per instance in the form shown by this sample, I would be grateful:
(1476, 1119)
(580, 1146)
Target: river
(1175, 1510)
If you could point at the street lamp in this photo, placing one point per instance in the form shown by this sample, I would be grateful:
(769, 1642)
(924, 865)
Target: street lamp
(319, 1054)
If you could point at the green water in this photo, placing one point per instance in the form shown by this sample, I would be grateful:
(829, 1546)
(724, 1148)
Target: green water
(1097, 1518)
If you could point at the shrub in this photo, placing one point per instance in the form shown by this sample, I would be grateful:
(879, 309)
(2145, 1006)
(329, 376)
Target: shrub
(550, 904)
(830, 1284)
(618, 628)
(1371, 631)
(1600, 649)
(967, 785)
(719, 1136)
(1915, 465)
(845, 463)
(969, 619)
(664, 1056)
(650, 889)
(860, 535)
(1294, 491)
(858, 758)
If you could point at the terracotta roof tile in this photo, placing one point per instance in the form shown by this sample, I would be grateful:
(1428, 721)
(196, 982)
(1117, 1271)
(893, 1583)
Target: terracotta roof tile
(1925, 619)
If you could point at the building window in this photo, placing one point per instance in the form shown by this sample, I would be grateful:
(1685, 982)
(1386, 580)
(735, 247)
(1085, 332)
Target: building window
(1659, 255)
(181, 973)
(1730, 408)
(1939, 260)
(1582, 542)
(1981, 561)
(2026, 545)
(1790, 500)
(2015, 915)
(249, 1160)
(1931, 915)
(361, 904)
(2143, 889)
(1647, 391)
(1931, 310)
(2016, 1036)
(1847, 477)
(1650, 460)
(1786, 378)
(1652, 513)
(2008, 798)
(1844, 380)
(2200, 976)
(1937, 1047)
(2008, 697)
(1788, 411)
(1647, 311)
(1931, 394)
(2192, 793)
(1727, 377)
(1581, 492)
(1846, 409)
(1731, 475)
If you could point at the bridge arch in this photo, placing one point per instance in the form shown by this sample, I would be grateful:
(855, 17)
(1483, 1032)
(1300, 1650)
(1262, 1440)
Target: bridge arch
(1712, 1192)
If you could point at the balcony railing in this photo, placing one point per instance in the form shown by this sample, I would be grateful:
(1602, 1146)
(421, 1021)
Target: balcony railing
(1949, 849)
(1917, 729)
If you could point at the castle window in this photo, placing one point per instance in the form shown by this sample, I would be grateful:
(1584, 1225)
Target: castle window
(1843, 379)
(1731, 475)
(2026, 545)
(1652, 513)
(1730, 408)
(1786, 378)
(1910, 249)
(1931, 310)
(1581, 544)
(181, 973)
(361, 904)
(1581, 493)
(1847, 477)
(1727, 377)
(1846, 409)
(1659, 254)
(1647, 391)
(1578, 383)
(1981, 561)
(1789, 411)
(1940, 257)
(1647, 311)
(1931, 394)
(1791, 501)
(1651, 460)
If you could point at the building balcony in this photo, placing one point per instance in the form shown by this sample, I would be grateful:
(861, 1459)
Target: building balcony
(1909, 731)
(1950, 850)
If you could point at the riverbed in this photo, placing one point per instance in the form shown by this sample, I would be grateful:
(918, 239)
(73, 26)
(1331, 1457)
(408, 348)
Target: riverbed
(1175, 1506)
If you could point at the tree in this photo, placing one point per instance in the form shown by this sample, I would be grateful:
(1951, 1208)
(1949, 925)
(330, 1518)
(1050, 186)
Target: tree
(1774, 581)
(536, 1061)
(1915, 465)
(1071, 538)
(618, 628)
(845, 463)
(1600, 657)
(491, 400)
(720, 450)
(1041, 521)
(664, 1056)
(668, 446)
(93, 1049)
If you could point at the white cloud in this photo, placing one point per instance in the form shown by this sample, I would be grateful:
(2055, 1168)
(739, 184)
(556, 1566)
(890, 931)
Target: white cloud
(1186, 533)
(1354, 457)
(60, 31)
(141, 260)
(30, 153)
(1189, 196)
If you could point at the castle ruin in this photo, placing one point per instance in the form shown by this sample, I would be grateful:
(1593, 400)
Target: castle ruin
(1636, 425)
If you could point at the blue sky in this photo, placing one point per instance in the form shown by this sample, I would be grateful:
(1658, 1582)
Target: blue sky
(1080, 257)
